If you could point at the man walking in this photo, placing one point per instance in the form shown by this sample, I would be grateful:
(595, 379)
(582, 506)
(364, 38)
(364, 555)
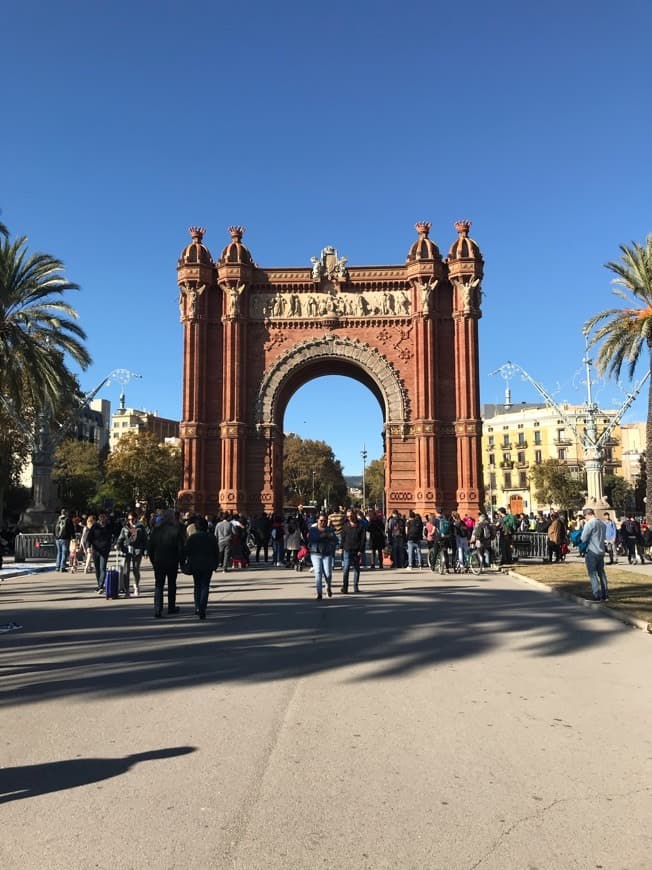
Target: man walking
(593, 535)
(352, 543)
(166, 550)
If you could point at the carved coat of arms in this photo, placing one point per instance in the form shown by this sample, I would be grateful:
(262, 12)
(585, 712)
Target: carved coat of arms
(329, 265)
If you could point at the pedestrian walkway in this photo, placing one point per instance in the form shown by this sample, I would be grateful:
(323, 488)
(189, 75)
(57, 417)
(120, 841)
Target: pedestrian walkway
(429, 722)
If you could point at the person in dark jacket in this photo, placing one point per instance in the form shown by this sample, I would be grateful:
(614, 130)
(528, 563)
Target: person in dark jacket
(64, 532)
(202, 554)
(353, 539)
(165, 548)
(100, 539)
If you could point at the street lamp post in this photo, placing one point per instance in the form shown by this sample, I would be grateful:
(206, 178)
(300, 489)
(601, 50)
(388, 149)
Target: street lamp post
(364, 454)
(313, 486)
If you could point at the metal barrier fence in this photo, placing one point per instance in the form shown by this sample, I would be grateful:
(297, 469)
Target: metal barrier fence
(40, 546)
(531, 545)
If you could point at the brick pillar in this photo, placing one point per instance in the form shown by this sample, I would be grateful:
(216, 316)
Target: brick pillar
(465, 272)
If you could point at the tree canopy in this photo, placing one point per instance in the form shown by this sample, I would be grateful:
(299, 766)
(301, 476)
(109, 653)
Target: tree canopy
(140, 470)
(555, 486)
(375, 482)
(310, 467)
(77, 473)
(624, 334)
(38, 329)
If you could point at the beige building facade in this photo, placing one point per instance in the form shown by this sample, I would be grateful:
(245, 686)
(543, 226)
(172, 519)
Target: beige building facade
(132, 420)
(515, 438)
(633, 446)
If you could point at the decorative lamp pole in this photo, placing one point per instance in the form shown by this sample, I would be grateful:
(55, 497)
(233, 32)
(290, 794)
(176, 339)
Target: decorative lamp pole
(313, 486)
(364, 454)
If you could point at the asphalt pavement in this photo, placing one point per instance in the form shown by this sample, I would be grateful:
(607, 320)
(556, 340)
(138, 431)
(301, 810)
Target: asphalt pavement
(428, 722)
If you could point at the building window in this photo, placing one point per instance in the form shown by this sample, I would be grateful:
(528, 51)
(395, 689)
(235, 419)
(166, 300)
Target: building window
(492, 459)
(561, 434)
(537, 457)
(521, 457)
(537, 437)
(505, 440)
(521, 438)
(492, 480)
(522, 480)
(561, 454)
(491, 441)
(508, 480)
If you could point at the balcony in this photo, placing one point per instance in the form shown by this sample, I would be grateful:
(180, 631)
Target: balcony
(563, 442)
(507, 463)
(521, 445)
(524, 464)
(507, 446)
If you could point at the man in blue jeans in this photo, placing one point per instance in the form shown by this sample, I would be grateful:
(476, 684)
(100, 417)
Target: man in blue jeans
(593, 535)
(64, 532)
(353, 536)
(100, 538)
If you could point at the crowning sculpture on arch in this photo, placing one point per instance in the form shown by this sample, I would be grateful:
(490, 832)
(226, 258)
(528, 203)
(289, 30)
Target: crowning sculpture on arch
(253, 336)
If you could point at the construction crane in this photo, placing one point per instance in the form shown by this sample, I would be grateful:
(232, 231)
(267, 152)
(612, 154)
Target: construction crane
(592, 444)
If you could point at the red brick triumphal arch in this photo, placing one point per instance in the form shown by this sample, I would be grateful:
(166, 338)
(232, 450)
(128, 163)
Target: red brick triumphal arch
(253, 336)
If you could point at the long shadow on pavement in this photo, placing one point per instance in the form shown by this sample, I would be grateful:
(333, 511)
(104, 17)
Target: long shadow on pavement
(116, 648)
(30, 780)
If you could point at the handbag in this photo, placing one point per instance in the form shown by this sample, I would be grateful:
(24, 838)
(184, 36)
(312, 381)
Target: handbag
(185, 567)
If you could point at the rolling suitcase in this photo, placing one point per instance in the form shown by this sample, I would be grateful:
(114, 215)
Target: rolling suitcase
(112, 580)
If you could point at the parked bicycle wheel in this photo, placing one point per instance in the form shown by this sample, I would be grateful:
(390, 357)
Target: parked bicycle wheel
(475, 562)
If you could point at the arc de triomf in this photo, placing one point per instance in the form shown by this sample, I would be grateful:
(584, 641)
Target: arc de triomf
(253, 336)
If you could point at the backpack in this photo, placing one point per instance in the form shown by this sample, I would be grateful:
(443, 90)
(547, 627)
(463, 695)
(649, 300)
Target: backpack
(485, 532)
(509, 524)
(461, 531)
(630, 528)
(445, 527)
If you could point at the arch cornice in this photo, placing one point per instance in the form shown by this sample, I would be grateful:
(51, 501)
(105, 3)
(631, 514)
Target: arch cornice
(332, 347)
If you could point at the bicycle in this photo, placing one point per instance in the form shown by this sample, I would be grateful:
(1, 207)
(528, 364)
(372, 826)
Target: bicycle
(442, 559)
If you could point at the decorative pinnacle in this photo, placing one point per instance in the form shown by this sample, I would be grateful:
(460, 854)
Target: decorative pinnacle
(463, 227)
(196, 233)
(423, 228)
(237, 233)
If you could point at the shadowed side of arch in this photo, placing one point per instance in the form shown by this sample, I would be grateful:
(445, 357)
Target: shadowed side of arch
(379, 374)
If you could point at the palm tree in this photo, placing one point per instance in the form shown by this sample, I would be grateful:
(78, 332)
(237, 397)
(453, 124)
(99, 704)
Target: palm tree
(37, 328)
(623, 333)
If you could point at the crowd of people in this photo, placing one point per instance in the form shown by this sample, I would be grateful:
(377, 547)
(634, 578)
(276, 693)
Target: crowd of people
(346, 538)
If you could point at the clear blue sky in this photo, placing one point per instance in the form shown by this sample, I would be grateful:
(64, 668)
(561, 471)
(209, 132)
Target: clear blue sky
(339, 123)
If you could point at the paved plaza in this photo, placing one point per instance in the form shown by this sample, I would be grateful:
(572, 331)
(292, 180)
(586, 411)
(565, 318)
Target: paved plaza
(429, 722)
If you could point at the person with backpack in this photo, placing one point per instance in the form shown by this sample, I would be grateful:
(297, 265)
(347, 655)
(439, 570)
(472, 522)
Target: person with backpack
(630, 531)
(556, 538)
(482, 538)
(64, 532)
(446, 536)
(506, 530)
(414, 533)
(462, 536)
(131, 544)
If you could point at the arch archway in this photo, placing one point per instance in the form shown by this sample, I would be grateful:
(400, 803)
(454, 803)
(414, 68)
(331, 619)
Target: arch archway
(253, 336)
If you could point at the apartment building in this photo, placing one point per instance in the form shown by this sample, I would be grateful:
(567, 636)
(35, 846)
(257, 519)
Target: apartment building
(517, 437)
